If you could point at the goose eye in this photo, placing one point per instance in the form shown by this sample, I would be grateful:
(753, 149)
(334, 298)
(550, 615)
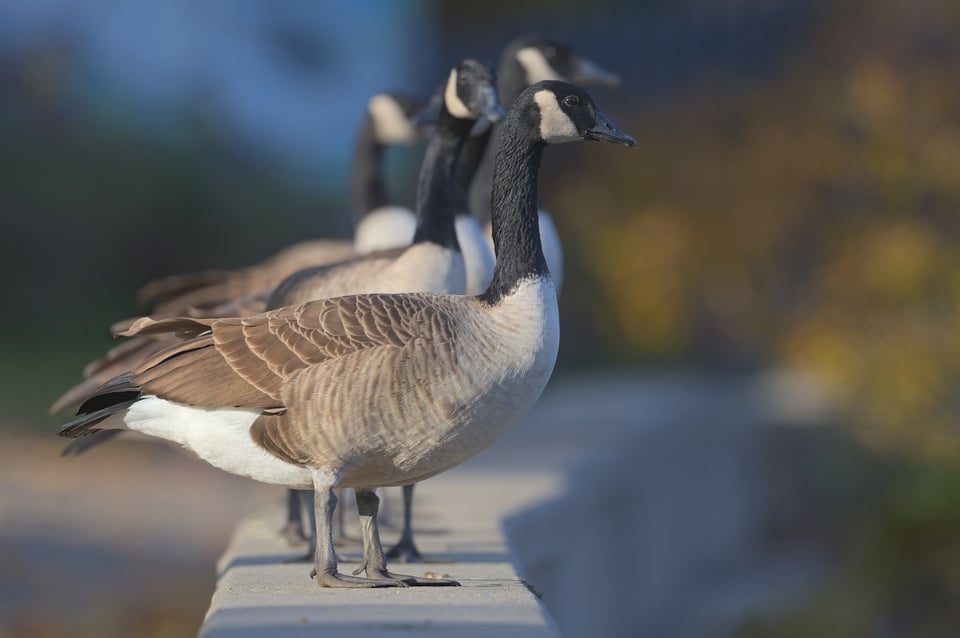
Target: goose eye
(572, 100)
(462, 77)
(550, 52)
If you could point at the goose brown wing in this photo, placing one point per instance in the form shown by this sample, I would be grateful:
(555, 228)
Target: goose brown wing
(247, 362)
(173, 295)
(328, 401)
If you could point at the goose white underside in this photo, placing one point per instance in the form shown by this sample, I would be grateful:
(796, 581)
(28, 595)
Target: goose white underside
(552, 248)
(219, 436)
(384, 228)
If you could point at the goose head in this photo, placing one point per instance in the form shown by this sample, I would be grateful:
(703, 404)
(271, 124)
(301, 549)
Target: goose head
(566, 113)
(391, 114)
(546, 58)
(470, 93)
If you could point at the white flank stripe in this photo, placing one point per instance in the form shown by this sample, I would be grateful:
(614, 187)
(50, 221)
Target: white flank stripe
(219, 436)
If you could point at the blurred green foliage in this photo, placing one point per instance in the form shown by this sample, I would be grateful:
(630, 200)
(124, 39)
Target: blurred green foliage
(898, 560)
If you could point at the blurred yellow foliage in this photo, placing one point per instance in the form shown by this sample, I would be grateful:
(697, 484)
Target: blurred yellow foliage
(653, 318)
(810, 219)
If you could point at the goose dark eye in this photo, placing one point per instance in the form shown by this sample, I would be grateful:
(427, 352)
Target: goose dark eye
(572, 100)
(462, 77)
(550, 52)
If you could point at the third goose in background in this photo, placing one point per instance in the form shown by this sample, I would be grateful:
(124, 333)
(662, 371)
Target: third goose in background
(525, 61)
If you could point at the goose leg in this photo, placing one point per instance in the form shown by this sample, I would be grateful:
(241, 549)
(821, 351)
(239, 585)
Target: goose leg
(293, 530)
(325, 560)
(374, 562)
(304, 500)
(406, 551)
(340, 536)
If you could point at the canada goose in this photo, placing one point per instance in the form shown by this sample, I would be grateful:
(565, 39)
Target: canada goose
(369, 390)
(432, 263)
(379, 225)
(524, 61)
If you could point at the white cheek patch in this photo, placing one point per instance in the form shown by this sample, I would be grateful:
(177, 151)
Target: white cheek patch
(452, 101)
(389, 121)
(555, 125)
(536, 66)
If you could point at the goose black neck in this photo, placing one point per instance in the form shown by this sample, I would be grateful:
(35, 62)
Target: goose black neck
(435, 187)
(514, 211)
(368, 191)
(474, 150)
(511, 81)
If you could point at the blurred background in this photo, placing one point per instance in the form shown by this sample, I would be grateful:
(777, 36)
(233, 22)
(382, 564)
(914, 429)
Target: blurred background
(792, 205)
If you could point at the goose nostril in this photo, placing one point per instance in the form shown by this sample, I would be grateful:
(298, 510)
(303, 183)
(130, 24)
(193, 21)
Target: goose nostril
(608, 125)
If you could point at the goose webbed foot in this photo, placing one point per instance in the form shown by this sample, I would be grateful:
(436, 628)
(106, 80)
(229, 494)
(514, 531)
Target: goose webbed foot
(335, 579)
(382, 573)
(374, 563)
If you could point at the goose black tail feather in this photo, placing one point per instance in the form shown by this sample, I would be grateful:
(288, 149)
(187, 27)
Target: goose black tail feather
(86, 422)
(114, 396)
